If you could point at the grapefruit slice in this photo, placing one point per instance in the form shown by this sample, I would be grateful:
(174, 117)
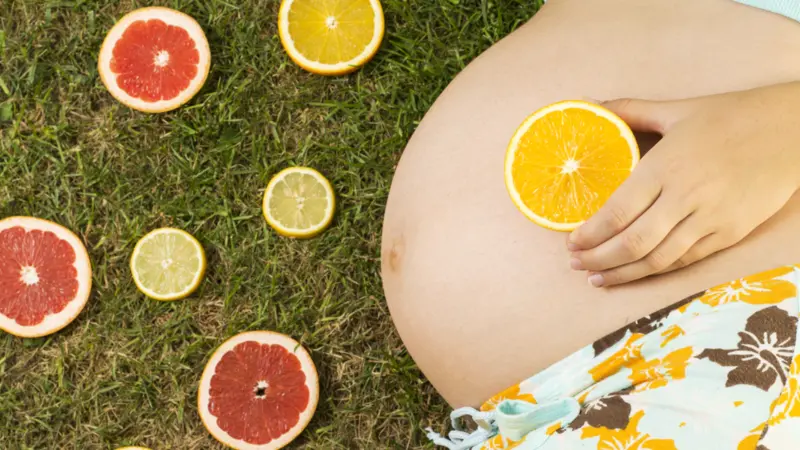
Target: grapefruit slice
(45, 276)
(566, 160)
(331, 37)
(258, 391)
(154, 59)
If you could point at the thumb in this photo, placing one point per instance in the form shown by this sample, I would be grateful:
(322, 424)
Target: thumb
(648, 115)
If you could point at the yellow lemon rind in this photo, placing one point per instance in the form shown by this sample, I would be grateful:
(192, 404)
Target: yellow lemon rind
(294, 232)
(178, 295)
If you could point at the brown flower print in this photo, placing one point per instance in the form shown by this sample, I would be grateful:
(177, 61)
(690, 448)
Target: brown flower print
(612, 412)
(764, 352)
(642, 326)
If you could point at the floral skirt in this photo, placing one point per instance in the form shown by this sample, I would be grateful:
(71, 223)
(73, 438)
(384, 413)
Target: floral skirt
(718, 370)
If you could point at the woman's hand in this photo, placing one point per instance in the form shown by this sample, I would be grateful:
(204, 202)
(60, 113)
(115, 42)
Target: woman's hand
(725, 165)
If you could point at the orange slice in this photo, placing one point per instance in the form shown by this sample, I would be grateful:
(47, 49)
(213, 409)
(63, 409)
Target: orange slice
(566, 160)
(331, 37)
(154, 59)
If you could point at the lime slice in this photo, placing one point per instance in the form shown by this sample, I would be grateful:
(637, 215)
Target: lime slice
(299, 202)
(168, 264)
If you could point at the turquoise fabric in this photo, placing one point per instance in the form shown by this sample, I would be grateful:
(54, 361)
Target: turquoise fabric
(516, 419)
(719, 370)
(788, 8)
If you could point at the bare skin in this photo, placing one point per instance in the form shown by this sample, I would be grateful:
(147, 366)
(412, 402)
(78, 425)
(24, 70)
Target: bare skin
(482, 297)
(725, 165)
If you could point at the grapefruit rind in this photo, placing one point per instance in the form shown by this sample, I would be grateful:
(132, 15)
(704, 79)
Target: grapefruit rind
(626, 132)
(170, 17)
(341, 68)
(262, 337)
(294, 232)
(178, 295)
(83, 265)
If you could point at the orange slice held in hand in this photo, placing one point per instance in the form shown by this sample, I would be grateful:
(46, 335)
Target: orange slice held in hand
(154, 59)
(566, 160)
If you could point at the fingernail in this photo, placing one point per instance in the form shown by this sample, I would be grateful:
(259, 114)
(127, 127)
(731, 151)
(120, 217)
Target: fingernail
(571, 245)
(596, 280)
(576, 264)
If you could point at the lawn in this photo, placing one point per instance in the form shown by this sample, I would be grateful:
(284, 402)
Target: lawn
(125, 372)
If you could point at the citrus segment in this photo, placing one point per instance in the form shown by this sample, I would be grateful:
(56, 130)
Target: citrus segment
(331, 37)
(170, 67)
(45, 276)
(154, 59)
(299, 202)
(565, 161)
(168, 264)
(258, 391)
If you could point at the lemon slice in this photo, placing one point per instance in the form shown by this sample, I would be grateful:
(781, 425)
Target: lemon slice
(299, 202)
(331, 37)
(168, 264)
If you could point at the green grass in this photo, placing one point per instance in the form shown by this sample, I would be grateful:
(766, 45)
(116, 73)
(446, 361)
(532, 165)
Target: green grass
(125, 372)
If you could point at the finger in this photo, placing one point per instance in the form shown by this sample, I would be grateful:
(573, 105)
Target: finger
(639, 239)
(702, 249)
(647, 115)
(624, 206)
(667, 253)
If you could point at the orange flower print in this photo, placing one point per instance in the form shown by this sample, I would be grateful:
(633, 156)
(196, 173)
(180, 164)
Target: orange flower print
(751, 441)
(656, 373)
(511, 393)
(499, 443)
(788, 402)
(760, 289)
(552, 429)
(629, 354)
(628, 439)
(671, 333)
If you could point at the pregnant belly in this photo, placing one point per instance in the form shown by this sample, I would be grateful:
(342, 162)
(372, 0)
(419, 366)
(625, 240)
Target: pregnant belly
(483, 298)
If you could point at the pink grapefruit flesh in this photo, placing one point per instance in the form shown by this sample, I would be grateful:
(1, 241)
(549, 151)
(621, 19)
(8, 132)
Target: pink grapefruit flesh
(45, 276)
(258, 391)
(154, 59)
